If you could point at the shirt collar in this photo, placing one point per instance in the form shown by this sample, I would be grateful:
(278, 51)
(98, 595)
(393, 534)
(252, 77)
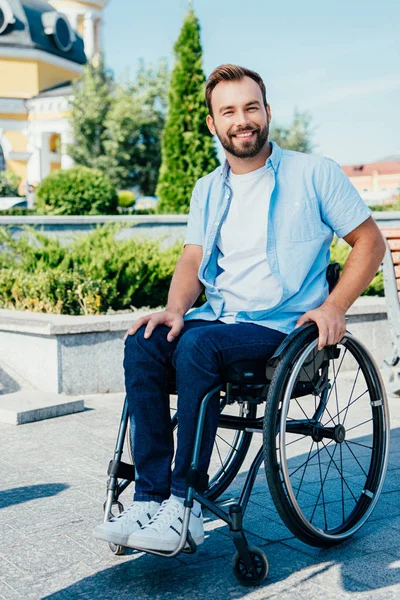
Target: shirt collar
(274, 159)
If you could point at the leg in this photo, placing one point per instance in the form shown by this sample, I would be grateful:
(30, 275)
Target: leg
(198, 359)
(148, 369)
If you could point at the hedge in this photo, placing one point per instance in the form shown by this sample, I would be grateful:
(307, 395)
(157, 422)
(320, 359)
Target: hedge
(96, 273)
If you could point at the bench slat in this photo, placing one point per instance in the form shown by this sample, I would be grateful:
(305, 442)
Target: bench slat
(398, 283)
(394, 244)
(397, 271)
(396, 258)
(391, 234)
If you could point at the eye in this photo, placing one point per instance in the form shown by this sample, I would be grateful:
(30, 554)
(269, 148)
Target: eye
(253, 108)
(227, 113)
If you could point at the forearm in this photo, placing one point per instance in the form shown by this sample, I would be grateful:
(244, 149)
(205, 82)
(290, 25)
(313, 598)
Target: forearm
(359, 270)
(185, 286)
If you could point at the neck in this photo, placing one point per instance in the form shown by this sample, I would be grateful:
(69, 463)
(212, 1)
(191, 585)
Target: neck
(241, 166)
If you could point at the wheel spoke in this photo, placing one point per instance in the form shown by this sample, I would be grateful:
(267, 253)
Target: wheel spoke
(341, 475)
(322, 489)
(304, 472)
(358, 444)
(227, 443)
(355, 457)
(343, 409)
(359, 425)
(326, 475)
(314, 455)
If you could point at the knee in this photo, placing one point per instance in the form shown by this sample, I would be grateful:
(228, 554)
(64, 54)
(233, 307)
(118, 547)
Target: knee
(194, 347)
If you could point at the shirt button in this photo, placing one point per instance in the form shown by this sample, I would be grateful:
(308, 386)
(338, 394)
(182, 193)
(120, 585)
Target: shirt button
(217, 223)
(227, 196)
(208, 252)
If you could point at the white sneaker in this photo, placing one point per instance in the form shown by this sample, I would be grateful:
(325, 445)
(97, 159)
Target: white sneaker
(118, 529)
(164, 530)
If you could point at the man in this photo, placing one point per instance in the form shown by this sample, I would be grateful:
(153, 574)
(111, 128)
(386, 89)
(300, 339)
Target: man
(258, 239)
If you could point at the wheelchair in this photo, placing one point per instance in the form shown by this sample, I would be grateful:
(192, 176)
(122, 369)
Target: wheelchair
(325, 444)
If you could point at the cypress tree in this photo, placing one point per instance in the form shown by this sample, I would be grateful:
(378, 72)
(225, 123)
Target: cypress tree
(188, 150)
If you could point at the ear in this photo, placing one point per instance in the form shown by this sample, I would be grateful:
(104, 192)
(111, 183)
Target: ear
(210, 124)
(269, 116)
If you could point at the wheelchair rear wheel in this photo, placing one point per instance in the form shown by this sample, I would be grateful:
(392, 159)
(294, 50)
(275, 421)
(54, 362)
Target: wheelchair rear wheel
(326, 438)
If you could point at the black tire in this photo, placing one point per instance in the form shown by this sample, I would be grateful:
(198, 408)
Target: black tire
(344, 503)
(231, 454)
(261, 565)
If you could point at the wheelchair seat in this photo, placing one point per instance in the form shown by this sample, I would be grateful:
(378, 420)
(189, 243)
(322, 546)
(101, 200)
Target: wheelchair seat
(246, 371)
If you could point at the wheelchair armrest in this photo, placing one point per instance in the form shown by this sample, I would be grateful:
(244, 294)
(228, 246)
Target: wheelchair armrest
(288, 340)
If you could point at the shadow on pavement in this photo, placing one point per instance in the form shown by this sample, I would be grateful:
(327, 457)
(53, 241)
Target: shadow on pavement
(19, 495)
(368, 561)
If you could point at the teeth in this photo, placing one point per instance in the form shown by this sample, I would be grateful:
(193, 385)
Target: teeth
(244, 134)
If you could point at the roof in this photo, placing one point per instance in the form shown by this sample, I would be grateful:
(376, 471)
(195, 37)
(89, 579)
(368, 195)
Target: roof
(383, 167)
(28, 31)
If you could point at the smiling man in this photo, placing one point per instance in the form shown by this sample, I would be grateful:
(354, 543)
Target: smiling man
(258, 238)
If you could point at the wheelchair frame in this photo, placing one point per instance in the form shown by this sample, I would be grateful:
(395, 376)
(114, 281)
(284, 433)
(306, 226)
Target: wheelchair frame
(250, 563)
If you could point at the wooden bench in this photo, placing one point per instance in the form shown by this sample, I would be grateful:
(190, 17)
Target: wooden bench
(391, 278)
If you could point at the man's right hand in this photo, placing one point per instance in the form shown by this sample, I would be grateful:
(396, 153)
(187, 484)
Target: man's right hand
(170, 318)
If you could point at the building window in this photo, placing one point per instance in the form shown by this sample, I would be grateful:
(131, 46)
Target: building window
(2, 160)
(55, 143)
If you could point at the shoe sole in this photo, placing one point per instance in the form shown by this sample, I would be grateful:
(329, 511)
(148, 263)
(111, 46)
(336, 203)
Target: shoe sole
(158, 545)
(109, 536)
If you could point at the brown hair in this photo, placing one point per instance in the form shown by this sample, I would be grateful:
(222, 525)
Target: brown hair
(231, 73)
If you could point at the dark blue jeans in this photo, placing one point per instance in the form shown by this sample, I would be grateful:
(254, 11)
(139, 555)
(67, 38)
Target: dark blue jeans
(194, 360)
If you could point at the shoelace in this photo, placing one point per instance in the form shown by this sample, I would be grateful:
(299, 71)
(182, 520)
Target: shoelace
(133, 510)
(166, 513)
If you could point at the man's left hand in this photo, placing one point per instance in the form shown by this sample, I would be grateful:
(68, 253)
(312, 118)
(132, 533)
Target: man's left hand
(331, 323)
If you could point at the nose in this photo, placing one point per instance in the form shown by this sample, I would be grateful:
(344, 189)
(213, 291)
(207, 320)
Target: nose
(241, 119)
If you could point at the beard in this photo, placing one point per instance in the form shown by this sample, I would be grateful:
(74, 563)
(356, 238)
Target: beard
(244, 148)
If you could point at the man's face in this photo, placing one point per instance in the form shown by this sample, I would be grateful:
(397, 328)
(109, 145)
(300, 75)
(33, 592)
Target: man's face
(240, 119)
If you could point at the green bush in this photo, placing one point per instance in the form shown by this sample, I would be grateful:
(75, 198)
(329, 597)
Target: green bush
(385, 207)
(126, 199)
(90, 275)
(8, 184)
(76, 191)
(15, 211)
(340, 252)
(97, 272)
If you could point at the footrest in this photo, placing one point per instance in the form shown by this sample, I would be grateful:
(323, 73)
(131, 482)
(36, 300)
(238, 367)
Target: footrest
(121, 470)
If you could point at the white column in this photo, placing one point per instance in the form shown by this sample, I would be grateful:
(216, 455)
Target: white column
(88, 35)
(67, 137)
(45, 154)
(100, 35)
(34, 167)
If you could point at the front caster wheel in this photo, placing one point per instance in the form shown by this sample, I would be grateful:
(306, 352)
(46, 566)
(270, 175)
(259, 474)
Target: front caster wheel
(116, 549)
(261, 567)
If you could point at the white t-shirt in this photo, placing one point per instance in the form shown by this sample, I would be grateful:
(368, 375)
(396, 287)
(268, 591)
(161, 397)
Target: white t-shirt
(246, 282)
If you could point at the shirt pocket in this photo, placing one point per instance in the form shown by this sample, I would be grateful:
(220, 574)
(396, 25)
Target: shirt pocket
(299, 221)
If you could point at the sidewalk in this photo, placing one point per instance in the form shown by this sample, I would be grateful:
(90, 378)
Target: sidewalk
(53, 476)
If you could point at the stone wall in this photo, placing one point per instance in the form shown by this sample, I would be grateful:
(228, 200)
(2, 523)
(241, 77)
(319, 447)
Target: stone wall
(83, 355)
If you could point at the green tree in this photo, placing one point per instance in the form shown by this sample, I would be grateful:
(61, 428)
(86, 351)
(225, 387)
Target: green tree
(8, 184)
(298, 136)
(188, 150)
(93, 98)
(134, 127)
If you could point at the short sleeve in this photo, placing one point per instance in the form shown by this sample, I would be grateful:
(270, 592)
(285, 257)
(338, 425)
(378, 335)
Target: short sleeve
(342, 207)
(194, 232)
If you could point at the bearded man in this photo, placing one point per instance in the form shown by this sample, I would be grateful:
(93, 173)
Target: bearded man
(258, 238)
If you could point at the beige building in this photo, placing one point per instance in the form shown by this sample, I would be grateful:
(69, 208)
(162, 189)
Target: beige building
(43, 48)
(377, 182)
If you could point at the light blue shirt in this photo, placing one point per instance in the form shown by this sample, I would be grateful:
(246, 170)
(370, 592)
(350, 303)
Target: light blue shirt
(311, 200)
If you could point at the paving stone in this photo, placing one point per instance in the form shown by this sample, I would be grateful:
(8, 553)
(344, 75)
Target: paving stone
(57, 469)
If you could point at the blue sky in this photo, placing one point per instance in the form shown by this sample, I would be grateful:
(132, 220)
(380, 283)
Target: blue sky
(338, 60)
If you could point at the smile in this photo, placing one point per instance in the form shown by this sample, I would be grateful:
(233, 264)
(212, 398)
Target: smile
(245, 135)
